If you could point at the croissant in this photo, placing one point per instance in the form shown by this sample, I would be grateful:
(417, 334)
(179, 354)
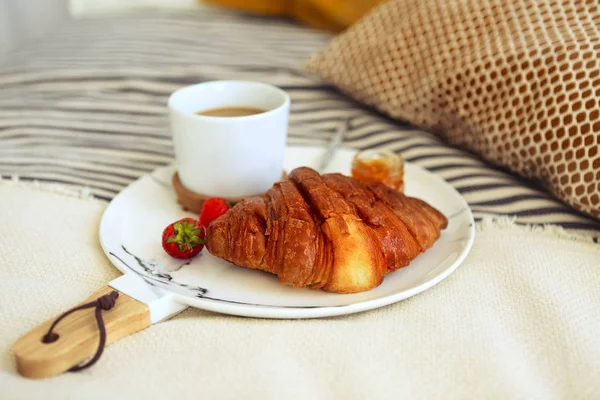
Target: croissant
(326, 232)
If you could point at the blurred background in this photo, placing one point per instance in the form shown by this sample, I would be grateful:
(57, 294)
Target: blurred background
(25, 20)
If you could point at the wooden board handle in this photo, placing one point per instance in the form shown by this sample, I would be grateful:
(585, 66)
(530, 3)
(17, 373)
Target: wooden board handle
(78, 336)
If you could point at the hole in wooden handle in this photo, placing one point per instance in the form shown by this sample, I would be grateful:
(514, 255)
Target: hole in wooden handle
(50, 337)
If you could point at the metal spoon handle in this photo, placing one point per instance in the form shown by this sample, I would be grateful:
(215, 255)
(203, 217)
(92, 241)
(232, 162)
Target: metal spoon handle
(334, 143)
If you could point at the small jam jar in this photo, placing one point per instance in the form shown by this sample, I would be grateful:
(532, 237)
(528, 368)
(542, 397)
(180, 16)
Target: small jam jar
(381, 166)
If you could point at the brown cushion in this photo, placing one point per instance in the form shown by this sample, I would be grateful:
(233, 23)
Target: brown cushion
(516, 81)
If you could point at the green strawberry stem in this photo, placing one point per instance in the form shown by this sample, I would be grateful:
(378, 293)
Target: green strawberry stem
(186, 236)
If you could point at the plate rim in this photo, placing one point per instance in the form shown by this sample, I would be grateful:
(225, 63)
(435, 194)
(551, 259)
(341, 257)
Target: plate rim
(299, 312)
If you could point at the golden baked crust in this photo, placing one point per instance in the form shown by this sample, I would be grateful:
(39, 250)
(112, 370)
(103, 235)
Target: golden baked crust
(327, 232)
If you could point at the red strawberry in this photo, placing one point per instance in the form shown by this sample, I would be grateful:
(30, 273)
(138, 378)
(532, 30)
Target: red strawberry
(212, 209)
(184, 238)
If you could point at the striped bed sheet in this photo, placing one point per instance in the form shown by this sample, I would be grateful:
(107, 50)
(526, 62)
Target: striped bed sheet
(86, 106)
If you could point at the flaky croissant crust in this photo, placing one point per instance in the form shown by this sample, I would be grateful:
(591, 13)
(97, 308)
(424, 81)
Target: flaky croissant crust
(327, 232)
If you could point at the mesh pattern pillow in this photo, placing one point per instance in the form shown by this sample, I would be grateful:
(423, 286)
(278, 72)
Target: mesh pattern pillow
(516, 81)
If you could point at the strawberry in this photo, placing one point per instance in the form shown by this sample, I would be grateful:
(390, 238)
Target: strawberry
(212, 209)
(183, 238)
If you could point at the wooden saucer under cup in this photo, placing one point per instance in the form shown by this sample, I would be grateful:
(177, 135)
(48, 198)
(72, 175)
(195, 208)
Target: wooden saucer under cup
(192, 201)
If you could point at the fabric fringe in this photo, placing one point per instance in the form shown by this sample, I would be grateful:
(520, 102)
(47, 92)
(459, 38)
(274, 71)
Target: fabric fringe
(79, 192)
(506, 222)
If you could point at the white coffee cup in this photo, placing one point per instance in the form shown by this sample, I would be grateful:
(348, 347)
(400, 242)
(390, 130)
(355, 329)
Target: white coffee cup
(229, 157)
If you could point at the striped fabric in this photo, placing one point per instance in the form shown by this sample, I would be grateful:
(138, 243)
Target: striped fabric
(87, 106)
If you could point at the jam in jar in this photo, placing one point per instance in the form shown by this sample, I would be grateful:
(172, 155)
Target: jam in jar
(381, 166)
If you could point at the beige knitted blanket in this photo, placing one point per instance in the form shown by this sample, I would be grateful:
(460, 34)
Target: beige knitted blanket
(519, 319)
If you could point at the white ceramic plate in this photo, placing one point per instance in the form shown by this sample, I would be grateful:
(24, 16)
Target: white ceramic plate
(131, 228)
